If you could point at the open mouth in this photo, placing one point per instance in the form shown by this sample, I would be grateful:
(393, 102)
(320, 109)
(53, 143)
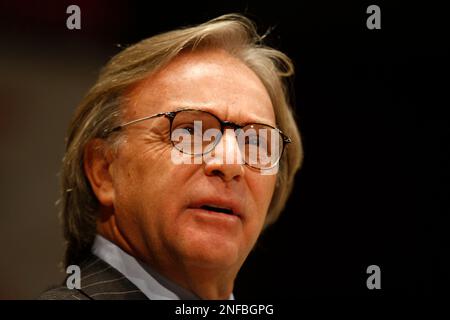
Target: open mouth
(217, 209)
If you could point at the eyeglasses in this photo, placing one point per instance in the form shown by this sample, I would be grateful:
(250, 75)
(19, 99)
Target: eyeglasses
(197, 132)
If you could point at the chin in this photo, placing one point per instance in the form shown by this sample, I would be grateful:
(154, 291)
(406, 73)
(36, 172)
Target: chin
(212, 251)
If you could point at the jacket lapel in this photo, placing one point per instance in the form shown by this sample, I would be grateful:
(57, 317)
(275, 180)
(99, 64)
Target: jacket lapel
(100, 281)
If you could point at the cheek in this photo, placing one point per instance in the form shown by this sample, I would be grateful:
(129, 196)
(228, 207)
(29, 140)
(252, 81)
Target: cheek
(143, 165)
(262, 188)
(148, 181)
(144, 184)
(138, 177)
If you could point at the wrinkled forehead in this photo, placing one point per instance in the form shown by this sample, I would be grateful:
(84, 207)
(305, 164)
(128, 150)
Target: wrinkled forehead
(210, 80)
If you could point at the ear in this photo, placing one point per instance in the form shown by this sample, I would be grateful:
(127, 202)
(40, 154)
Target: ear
(97, 167)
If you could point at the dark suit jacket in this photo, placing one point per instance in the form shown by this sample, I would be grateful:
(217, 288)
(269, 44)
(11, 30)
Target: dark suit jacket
(99, 281)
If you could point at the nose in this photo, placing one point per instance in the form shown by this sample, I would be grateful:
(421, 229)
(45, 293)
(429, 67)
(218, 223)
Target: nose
(225, 160)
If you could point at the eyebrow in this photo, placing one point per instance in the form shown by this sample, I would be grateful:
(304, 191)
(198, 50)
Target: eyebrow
(210, 110)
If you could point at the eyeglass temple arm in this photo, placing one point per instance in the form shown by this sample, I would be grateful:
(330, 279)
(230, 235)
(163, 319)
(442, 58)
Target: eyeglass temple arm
(119, 127)
(286, 139)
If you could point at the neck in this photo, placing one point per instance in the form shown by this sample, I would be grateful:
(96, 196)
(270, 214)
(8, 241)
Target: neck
(206, 282)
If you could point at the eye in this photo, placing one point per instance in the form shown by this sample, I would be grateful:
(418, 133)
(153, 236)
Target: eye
(186, 127)
(189, 129)
(252, 140)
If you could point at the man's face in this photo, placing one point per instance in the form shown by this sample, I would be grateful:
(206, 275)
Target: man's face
(158, 204)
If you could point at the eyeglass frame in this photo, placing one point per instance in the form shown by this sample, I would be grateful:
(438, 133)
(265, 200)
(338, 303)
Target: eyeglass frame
(223, 125)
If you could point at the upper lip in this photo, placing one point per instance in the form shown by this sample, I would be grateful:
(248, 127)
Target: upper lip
(220, 203)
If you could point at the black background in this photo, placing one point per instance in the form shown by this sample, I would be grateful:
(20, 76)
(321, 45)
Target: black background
(371, 106)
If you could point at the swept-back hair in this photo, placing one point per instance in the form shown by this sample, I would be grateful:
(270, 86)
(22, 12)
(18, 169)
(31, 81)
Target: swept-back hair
(101, 110)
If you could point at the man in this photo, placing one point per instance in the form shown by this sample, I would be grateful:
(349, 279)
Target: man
(147, 216)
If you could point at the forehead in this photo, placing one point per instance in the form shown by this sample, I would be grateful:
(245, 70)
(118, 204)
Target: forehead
(210, 80)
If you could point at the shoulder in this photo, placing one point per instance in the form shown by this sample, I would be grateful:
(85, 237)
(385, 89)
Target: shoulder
(63, 293)
(98, 281)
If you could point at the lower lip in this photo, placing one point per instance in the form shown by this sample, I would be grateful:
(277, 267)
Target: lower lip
(229, 218)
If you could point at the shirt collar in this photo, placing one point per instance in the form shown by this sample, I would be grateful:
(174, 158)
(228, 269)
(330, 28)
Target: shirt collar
(151, 283)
